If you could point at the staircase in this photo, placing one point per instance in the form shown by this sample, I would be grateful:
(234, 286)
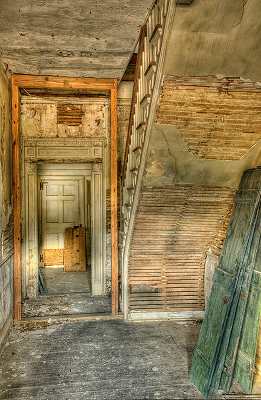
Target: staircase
(148, 77)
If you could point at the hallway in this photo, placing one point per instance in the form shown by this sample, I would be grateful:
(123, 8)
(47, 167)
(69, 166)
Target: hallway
(130, 200)
(99, 360)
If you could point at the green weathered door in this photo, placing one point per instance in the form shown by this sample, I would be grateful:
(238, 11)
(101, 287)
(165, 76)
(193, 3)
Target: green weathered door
(235, 291)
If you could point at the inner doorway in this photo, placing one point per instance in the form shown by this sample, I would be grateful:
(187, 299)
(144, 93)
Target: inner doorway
(64, 233)
(66, 274)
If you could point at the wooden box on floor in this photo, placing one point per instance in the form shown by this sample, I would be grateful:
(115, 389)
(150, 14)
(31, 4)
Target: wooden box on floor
(74, 249)
(52, 257)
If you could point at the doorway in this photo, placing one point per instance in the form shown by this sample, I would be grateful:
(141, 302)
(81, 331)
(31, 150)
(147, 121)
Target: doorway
(64, 259)
(64, 233)
(76, 151)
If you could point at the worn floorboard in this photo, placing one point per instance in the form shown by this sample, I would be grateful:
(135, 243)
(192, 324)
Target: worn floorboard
(67, 304)
(68, 293)
(59, 282)
(99, 360)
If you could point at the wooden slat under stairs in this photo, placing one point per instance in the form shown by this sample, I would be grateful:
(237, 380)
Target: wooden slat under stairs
(218, 118)
(174, 228)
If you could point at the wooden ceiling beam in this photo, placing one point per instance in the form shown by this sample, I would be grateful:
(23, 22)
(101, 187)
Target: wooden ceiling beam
(65, 83)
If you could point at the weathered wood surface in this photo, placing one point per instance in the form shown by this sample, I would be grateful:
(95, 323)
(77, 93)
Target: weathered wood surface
(257, 380)
(114, 201)
(247, 368)
(99, 360)
(66, 304)
(227, 343)
(174, 229)
(16, 190)
(53, 257)
(218, 118)
(59, 282)
(6, 217)
(75, 249)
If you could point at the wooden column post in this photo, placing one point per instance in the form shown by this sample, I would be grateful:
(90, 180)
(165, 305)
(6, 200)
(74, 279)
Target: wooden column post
(114, 201)
(16, 201)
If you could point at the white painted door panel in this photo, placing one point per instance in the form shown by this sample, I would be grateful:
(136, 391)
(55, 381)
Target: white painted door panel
(62, 206)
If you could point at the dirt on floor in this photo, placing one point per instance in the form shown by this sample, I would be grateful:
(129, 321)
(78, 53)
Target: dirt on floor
(100, 360)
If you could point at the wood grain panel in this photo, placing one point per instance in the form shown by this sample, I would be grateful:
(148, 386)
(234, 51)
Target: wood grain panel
(174, 229)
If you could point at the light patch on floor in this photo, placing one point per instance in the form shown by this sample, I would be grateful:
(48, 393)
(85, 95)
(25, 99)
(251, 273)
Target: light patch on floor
(60, 282)
(68, 293)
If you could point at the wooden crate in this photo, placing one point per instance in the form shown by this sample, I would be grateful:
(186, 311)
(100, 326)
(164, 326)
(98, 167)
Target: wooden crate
(52, 257)
(75, 249)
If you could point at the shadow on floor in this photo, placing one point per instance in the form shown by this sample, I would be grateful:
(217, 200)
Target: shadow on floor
(99, 360)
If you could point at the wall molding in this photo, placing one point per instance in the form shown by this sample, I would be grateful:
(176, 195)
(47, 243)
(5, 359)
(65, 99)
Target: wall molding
(158, 315)
(35, 165)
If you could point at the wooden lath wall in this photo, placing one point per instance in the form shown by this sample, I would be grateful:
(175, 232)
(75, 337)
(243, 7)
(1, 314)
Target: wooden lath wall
(174, 229)
(219, 119)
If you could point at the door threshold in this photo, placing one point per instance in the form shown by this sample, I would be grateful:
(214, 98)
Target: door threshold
(44, 322)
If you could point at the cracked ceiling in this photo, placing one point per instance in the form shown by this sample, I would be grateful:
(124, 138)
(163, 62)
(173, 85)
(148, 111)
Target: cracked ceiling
(80, 38)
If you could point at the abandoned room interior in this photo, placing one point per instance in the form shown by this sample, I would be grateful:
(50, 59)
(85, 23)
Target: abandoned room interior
(130, 199)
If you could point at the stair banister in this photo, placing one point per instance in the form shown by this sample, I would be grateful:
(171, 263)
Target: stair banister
(148, 78)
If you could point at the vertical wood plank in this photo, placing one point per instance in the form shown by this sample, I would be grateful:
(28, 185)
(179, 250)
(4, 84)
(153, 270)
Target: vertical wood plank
(16, 201)
(114, 202)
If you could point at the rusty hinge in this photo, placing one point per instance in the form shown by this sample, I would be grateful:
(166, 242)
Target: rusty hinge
(41, 185)
(41, 258)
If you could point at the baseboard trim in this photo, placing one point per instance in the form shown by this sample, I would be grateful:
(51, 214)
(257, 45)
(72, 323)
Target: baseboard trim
(165, 315)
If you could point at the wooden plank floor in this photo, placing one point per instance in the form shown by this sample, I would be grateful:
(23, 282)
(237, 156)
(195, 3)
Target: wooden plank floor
(99, 360)
(68, 293)
(67, 304)
(60, 282)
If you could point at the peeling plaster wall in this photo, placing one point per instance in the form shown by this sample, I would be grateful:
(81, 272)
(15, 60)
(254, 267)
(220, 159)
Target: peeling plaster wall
(208, 132)
(213, 37)
(203, 139)
(170, 162)
(39, 118)
(81, 38)
(6, 224)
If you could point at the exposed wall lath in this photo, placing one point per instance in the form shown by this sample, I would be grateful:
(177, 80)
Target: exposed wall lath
(69, 114)
(218, 118)
(174, 228)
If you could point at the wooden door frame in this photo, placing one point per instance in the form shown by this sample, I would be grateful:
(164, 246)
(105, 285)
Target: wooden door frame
(45, 82)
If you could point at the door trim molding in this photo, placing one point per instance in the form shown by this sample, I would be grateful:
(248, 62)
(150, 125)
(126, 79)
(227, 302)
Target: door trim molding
(69, 84)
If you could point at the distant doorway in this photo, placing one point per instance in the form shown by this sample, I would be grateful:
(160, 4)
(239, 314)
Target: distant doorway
(64, 234)
(64, 254)
(61, 207)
